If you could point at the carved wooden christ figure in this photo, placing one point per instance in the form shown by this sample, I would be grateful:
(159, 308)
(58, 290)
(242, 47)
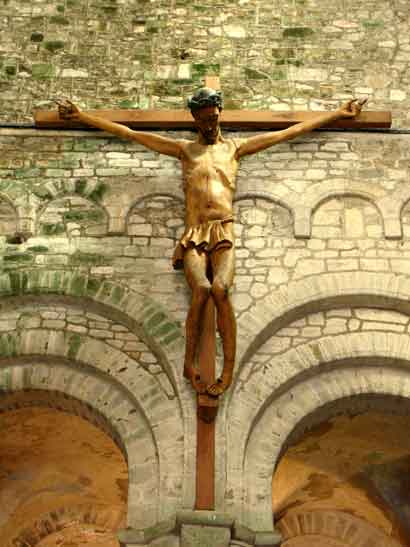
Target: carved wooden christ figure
(206, 249)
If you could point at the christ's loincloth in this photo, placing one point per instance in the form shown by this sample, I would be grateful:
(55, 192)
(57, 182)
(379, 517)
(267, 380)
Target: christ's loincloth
(208, 237)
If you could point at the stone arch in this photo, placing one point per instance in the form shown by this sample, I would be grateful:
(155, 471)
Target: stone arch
(135, 434)
(109, 518)
(334, 525)
(320, 193)
(59, 519)
(318, 293)
(158, 210)
(139, 313)
(347, 216)
(158, 187)
(259, 220)
(68, 218)
(62, 401)
(338, 378)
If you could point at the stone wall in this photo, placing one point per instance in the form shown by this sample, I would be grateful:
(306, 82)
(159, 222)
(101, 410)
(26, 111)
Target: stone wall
(290, 54)
(91, 307)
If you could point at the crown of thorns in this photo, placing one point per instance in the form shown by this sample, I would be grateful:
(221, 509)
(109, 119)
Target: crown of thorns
(205, 97)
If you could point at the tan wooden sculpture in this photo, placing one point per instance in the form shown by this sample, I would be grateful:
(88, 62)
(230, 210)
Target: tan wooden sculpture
(206, 249)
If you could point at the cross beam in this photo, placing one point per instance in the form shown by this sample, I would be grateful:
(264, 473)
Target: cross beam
(230, 119)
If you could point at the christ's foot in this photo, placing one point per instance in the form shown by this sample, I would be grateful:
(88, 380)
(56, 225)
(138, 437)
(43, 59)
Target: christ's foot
(197, 384)
(218, 387)
(192, 374)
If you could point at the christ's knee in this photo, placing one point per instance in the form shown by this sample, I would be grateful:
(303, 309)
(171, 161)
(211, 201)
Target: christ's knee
(220, 290)
(201, 292)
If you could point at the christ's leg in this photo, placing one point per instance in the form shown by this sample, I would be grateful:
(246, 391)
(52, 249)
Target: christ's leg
(223, 264)
(195, 266)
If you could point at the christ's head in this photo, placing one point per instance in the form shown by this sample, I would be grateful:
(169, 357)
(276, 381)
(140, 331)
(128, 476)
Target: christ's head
(206, 106)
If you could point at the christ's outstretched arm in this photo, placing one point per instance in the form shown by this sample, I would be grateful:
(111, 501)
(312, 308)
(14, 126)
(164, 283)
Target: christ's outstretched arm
(163, 145)
(260, 142)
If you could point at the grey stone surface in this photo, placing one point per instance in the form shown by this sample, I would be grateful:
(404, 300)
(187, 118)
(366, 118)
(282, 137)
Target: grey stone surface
(204, 536)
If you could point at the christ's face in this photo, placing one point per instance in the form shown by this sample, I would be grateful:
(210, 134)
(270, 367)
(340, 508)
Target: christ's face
(207, 123)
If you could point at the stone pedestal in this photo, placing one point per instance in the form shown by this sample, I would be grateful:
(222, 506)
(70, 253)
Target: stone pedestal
(198, 529)
(204, 536)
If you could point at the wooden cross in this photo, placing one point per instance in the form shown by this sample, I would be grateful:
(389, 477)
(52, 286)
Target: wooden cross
(208, 406)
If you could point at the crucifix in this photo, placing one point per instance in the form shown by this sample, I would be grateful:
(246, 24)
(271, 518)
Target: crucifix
(206, 249)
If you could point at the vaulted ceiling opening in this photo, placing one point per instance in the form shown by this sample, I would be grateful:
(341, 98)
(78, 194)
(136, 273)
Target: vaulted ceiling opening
(63, 481)
(352, 471)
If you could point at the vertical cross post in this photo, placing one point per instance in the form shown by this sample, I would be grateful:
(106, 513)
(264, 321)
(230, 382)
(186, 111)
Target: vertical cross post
(207, 407)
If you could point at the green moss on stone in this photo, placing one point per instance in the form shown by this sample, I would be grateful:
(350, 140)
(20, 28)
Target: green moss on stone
(155, 320)
(81, 216)
(42, 71)
(74, 344)
(54, 45)
(117, 295)
(18, 257)
(59, 20)
(278, 75)
(98, 193)
(77, 285)
(199, 70)
(376, 23)
(171, 338)
(252, 74)
(38, 249)
(15, 283)
(52, 229)
(80, 186)
(91, 259)
(127, 103)
(93, 286)
(37, 37)
(10, 70)
(8, 346)
(297, 32)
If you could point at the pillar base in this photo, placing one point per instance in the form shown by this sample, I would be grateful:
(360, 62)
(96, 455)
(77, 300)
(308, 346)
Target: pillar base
(199, 529)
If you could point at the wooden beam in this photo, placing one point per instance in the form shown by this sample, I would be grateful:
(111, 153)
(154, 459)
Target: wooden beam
(233, 119)
(207, 408)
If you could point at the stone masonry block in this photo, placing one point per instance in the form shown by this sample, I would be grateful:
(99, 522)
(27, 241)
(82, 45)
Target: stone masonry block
(204, 536)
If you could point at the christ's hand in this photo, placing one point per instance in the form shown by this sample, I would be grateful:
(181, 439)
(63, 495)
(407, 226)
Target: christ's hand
(68, 110)
(352, 108)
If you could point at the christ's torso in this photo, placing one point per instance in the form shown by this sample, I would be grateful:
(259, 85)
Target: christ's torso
(209, 173)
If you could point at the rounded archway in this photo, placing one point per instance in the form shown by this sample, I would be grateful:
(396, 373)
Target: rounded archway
(343, 482)
(63, 481)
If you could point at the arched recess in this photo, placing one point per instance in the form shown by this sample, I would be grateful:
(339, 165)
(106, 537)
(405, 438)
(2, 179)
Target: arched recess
(318, 194)
(72, 215)
(121, 413)
(331, 529)
(160, 333)
(317, 293)
(338, 378)
(347, 216)
(158, 188)
(27, 522)
(49, 525)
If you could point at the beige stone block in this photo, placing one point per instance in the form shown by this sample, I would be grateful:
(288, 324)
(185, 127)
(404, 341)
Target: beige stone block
(369, 314)
(335, 326)
(375, 325)
(342, 264)
(376, 265)
(354, 223)
(307, 267)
